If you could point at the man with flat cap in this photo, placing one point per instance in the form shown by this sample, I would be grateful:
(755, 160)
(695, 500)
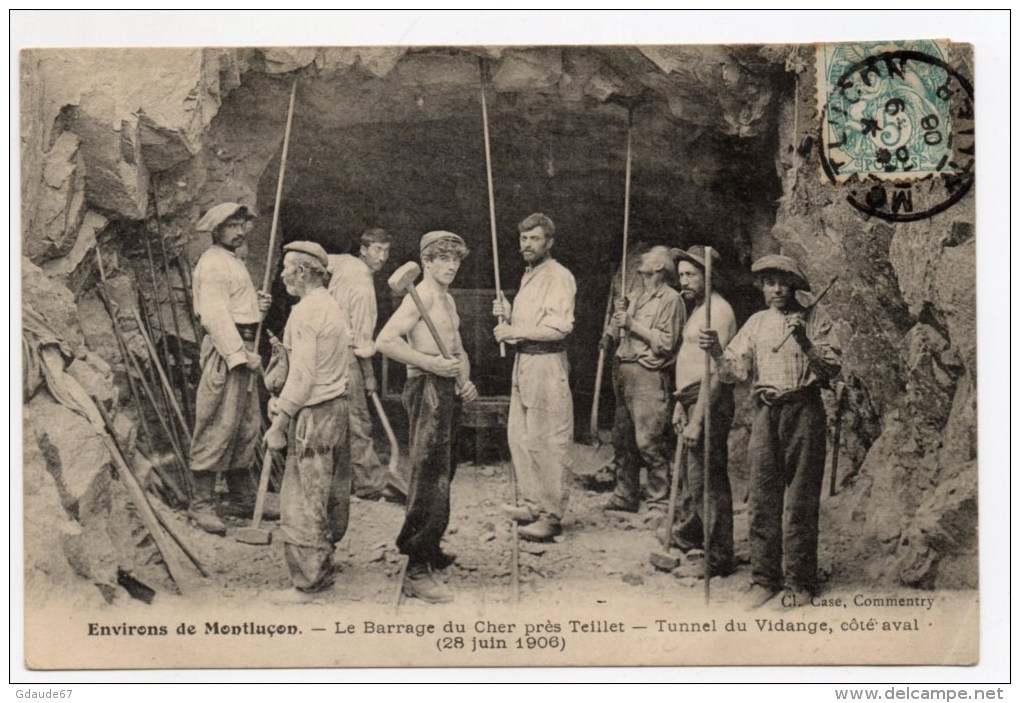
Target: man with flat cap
(786, 449)
(540, 427)
(311, 417)
(227, 411)
(652, 321)
(431, 400)
(688, 418)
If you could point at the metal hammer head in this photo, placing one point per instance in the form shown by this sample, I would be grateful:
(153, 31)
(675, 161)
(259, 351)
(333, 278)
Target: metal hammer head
(254, 535)
(404, 277)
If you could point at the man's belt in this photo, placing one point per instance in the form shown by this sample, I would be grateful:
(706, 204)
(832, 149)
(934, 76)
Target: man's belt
(540, 347)
(770, 397)
(247, 332)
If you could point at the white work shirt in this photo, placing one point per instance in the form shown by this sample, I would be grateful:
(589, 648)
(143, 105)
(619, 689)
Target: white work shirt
(353, 289)
(546, 298)
(224, 298)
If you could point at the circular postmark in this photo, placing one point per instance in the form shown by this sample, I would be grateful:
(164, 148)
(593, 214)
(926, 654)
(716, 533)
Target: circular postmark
(898, 132)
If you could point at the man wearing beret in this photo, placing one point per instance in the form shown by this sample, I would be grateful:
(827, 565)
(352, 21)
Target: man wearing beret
(353, 289)
(786, 449)
(688, 417)
(311, 418)
(226, 410)
(652, 321)
(430, 398)
(540, 427)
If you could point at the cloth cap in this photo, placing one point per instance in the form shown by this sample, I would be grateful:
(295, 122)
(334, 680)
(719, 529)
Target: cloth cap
(696, 255)
(310, 248)
(777, 262)
(219, 214)
(439, 235)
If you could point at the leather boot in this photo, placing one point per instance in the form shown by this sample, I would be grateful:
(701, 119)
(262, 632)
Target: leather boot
(240, 500)
(542, 530)
(419, 583)
(521, 514)
(203, 508)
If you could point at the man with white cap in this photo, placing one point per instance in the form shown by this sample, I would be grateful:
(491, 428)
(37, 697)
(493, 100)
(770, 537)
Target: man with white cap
(311, 417)
(688, 417)
(430, 398)
(352, 287)
(227, 415)
(540, 427)
(786, 449)
(653, 321)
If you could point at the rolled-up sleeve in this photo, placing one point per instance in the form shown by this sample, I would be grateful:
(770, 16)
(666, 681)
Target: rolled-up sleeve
(558, 306)
(667, 326)
(738, 357)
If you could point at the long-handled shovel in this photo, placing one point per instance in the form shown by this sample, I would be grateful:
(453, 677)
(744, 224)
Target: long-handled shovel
(600, 367)
(663, 560)
(390, 435)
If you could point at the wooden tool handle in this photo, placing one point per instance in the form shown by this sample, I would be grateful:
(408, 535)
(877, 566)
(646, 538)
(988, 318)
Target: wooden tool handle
(260, 497)
(492, 200)
(428, 322)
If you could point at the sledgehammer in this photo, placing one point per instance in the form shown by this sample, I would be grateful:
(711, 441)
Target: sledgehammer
(402, 281)
(255, 533)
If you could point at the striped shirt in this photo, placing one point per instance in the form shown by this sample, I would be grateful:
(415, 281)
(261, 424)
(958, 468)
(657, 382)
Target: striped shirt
(749, 355)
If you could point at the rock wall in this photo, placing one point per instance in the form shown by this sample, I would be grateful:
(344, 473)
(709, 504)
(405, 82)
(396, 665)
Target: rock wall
(103, 131)
(905, 314)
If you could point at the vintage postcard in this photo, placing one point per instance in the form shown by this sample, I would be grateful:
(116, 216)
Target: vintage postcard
(401, 356)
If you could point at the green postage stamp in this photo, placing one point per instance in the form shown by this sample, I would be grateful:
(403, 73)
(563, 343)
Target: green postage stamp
(895, 111)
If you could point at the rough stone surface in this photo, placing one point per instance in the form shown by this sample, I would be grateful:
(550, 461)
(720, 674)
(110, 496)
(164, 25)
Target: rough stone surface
(59, 207)
(52, 301)
(69, 268)
(103, 129)
(904, 312)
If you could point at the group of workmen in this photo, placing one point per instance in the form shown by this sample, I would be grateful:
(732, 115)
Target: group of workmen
(319, 413)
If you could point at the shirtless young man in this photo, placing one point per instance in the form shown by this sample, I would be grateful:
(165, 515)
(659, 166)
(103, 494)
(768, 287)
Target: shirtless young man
(430, 398)
(688, 417)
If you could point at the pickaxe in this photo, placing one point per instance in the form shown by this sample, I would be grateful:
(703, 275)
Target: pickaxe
(818, 299)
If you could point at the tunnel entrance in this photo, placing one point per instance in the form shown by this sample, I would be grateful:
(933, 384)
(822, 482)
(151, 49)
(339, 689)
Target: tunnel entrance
(406, 153)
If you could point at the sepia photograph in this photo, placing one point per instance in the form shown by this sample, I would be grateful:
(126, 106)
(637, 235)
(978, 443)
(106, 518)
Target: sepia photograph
(547, 354)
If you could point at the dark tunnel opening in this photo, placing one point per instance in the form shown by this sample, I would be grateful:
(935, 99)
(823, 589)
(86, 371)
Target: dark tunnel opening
(569, 163)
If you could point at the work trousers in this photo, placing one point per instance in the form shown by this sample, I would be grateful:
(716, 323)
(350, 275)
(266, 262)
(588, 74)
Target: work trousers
(316, 492)
(644, 432)
(370, 476)
(432, 410)
(787, 457)
(227, 415)
(540, 430)
(688, 532)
